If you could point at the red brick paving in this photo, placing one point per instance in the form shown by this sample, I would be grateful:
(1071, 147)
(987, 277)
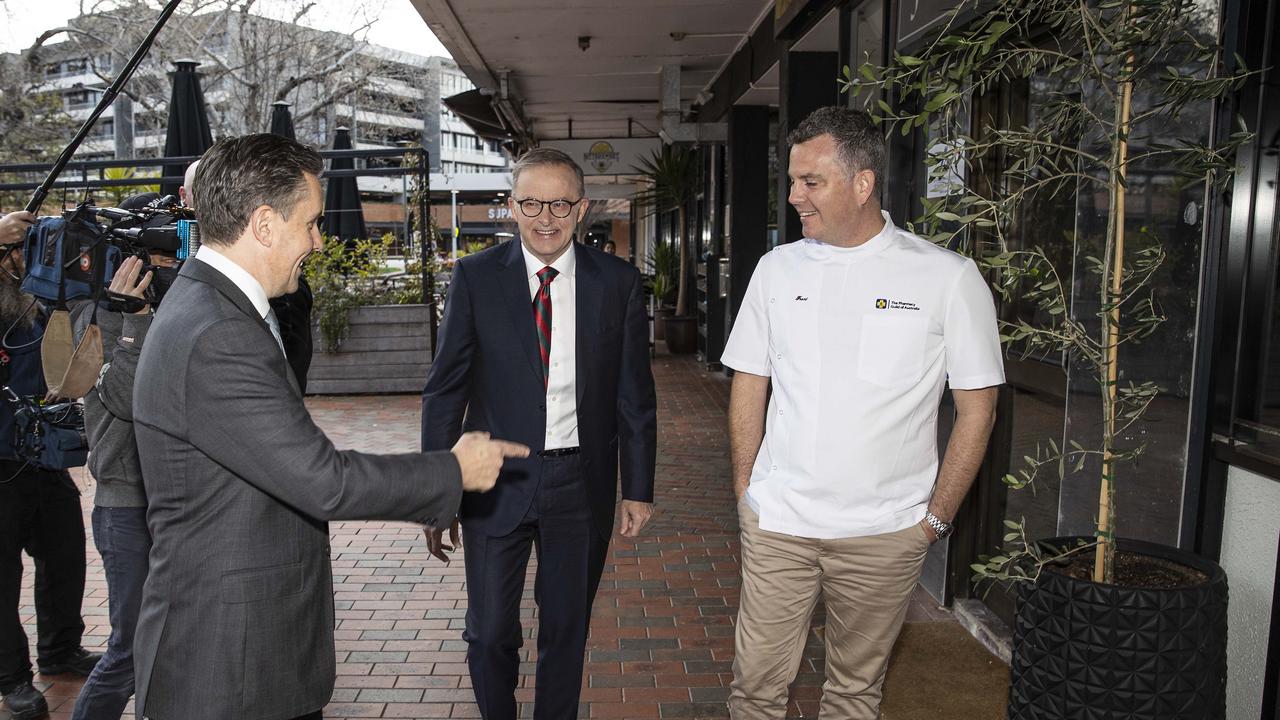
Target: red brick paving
(661, 642)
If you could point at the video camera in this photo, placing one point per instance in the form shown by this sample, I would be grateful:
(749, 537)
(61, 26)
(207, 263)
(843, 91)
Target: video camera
(74, 255)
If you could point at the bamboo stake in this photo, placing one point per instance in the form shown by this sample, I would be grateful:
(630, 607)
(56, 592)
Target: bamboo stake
(1104, 558)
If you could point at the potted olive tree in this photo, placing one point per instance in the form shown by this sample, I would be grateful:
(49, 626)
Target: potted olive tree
(1105, 627)
(672, 172)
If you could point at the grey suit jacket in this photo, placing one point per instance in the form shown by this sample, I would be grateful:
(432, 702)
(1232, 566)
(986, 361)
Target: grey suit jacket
(237, 611)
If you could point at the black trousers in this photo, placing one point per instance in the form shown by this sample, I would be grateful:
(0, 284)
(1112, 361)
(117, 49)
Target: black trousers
(571, 555)
(39, 513)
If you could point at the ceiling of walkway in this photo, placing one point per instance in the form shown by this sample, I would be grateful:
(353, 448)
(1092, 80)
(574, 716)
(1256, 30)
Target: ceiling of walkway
(615, 78)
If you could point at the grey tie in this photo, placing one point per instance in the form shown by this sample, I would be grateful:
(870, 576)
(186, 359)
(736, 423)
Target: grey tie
(274, 324)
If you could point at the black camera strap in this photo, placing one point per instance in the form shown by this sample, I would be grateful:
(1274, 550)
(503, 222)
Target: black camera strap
(99, 276)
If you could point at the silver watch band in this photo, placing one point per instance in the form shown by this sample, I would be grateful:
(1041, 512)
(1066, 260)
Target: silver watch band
(939, 526)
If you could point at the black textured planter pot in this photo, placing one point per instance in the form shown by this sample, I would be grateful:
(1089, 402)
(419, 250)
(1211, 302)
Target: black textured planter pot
(1085, 651)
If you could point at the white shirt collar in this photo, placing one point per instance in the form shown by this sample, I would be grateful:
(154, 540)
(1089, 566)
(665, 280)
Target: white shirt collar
(564, 265)
(240, 277)
(819, 250)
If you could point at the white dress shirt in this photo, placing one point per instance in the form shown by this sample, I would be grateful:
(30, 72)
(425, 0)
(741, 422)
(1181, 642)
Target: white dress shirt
(562, 381)
(247, 283)
(858, 343)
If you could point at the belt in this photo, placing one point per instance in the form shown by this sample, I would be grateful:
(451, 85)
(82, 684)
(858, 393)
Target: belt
(559, 452)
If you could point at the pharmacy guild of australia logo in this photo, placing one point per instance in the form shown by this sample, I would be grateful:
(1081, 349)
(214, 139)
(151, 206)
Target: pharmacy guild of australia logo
(887, 304)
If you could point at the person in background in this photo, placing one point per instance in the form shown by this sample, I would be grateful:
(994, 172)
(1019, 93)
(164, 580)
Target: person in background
(120, 502)
(609, 248)
(39, 510)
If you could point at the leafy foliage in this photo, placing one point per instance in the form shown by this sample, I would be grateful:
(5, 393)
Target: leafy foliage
(663, 264)
(345, 275)
(1122, 74)
(673, 175)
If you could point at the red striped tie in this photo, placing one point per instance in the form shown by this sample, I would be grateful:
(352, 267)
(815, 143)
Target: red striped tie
(542, 318)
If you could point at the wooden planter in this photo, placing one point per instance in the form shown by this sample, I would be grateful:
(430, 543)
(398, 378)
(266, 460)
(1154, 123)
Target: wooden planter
(1087, 650)
(387, 350)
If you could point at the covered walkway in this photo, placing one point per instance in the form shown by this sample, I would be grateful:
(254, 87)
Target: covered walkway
(662, 635)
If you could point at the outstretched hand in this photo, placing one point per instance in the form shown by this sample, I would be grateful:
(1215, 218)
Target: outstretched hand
(480, 459)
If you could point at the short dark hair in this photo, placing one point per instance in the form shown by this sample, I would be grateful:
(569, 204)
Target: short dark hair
(547, 156)
(859, 143)
(239, 174)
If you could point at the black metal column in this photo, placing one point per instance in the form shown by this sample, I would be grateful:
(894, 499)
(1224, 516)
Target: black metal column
(747, 236)
(809, 81)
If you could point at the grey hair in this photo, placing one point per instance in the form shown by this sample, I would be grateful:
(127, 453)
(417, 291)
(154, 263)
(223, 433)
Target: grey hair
(859, 143)
(238, 175)
(547, 156)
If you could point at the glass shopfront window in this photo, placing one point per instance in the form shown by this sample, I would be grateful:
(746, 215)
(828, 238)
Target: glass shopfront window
(866, 45)
(1061, 402)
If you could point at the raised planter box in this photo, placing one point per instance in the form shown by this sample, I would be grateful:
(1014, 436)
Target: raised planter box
(387, 350)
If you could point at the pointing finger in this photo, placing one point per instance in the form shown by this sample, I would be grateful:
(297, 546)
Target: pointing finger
(510, 449)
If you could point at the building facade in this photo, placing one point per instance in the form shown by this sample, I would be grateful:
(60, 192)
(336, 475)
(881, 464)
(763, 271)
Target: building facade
(737, 84)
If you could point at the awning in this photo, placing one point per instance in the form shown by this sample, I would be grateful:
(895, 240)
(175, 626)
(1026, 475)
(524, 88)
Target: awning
(477, 112)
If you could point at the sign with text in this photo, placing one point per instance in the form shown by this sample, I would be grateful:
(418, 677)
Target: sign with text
(612, 156)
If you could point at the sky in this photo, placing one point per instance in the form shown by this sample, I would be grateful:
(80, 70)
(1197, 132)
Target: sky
(397, 23)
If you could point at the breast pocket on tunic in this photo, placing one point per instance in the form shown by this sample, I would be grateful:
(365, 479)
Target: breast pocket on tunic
(891, 349)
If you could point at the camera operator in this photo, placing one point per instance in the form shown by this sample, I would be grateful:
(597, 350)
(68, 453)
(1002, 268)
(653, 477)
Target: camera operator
(39, 511)
(119, 503)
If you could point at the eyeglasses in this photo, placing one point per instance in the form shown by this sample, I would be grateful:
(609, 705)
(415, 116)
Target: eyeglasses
(559, 208)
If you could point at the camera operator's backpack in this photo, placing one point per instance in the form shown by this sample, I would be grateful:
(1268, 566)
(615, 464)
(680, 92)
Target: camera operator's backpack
(47, 436)
(63, 255)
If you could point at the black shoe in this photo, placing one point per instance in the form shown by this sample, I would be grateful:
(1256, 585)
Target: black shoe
(26, 703)
(80, 663)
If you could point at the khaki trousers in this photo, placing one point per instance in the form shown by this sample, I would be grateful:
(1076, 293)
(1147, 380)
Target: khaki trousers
(865, 582)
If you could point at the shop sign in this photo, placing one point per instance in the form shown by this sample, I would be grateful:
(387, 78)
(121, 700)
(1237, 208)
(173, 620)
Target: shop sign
(607, 156)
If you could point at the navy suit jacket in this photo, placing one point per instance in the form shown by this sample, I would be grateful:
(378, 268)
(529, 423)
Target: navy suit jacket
(487, 375)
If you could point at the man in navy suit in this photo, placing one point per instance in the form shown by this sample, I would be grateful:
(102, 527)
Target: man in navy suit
(544, 342)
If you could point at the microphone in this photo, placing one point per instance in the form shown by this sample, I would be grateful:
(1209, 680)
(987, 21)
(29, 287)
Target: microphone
(115, 214)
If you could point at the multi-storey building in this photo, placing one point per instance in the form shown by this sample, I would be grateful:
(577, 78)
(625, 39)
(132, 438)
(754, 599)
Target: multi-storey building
(388, 98)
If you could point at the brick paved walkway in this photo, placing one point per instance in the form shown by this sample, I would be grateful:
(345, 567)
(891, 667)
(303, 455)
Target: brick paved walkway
(662, 635)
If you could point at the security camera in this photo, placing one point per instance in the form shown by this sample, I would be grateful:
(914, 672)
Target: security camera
(584, 42)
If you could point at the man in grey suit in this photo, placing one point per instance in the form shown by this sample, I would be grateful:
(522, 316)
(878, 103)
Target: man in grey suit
(237, 610)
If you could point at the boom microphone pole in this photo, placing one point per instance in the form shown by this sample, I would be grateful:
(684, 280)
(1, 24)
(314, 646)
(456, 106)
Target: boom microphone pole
(108, 97)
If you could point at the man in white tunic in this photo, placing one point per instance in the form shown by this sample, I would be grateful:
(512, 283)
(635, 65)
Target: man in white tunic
(857, 328)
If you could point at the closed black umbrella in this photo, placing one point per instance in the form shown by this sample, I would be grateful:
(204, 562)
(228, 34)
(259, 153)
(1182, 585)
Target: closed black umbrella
(188, 131)
(343, 214)
(293, 311)
(282, 120)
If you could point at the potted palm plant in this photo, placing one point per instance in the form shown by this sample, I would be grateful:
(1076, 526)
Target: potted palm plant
(672, 172)
(1105, 627)
(662, 266)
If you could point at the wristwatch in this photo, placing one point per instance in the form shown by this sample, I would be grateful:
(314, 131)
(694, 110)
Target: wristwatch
(942, 529)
